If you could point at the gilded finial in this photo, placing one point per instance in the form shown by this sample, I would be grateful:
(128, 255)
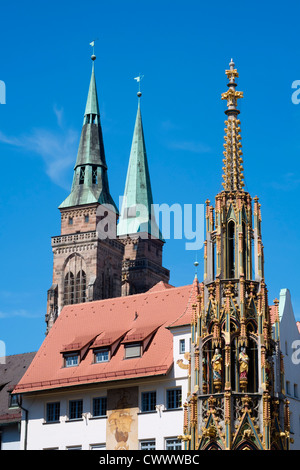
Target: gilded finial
(233, 169)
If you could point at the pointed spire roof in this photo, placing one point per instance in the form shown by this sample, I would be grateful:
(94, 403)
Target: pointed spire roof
(232, 170)
(137, 214)
(92, 106)
(90, 181)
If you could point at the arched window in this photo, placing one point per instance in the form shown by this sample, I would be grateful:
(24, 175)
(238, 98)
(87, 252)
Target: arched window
(231, 248)
(74, 280)
(80, 293)
(252, 352)
(69, 288)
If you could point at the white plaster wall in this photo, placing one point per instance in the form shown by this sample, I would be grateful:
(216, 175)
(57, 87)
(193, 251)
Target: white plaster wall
(90, 431)
(289, 337)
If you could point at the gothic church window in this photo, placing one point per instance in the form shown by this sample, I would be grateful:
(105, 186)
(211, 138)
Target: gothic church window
(69, 289)
(80, 287)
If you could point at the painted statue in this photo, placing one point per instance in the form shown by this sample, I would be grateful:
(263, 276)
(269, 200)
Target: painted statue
(217, 365)
(244, 364)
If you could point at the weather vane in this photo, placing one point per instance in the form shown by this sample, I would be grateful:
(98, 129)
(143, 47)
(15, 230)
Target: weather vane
(138, 79)
(93, 46)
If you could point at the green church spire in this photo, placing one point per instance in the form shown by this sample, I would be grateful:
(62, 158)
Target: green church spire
(90, 181)
(137, 215)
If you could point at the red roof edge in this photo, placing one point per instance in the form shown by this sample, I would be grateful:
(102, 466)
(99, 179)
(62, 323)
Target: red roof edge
(155, 370)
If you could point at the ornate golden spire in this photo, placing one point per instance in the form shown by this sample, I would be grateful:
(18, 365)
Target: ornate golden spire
(233, 170)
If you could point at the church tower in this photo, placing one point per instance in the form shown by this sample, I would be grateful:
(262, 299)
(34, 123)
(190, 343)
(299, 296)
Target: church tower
(86, 266)
(236, 384)
(137, 228)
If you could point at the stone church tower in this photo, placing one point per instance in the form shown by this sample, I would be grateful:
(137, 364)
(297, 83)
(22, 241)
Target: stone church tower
(86, 266)
(89, 264)
(236, 397)
(137, 228)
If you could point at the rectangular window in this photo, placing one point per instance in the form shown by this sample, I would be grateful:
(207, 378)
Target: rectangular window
(148, 401)
(75, 409)
(173, 398)
(182, 346)
(147, 445)
(14, 401)
(70, 220)
(99, 406)
(288, 389)
(86, 218)
(130, 212)
(74, 448)
(53, 412)
(97, 447)
(132, 350)
(102, 355)
(71, 360)
(296, 390)
(173, 444)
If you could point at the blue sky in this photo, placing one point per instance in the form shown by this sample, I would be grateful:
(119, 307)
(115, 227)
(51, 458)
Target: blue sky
(182, 49)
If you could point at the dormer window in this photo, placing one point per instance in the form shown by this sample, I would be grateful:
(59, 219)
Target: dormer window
(101, 355)
(71, 360)
(133, 350)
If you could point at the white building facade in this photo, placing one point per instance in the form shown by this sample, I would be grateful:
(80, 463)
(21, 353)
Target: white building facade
(78, 418)
(290, 348)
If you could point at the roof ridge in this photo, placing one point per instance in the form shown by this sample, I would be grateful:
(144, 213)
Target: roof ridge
(113, 299)
(21, 354)
(195, 282)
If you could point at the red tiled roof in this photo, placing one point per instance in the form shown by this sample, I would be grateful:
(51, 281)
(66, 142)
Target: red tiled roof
(144, 314)
(186, 316)
(161, 285)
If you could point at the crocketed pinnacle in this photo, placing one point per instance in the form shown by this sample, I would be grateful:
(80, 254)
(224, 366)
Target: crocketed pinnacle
(232, 169)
